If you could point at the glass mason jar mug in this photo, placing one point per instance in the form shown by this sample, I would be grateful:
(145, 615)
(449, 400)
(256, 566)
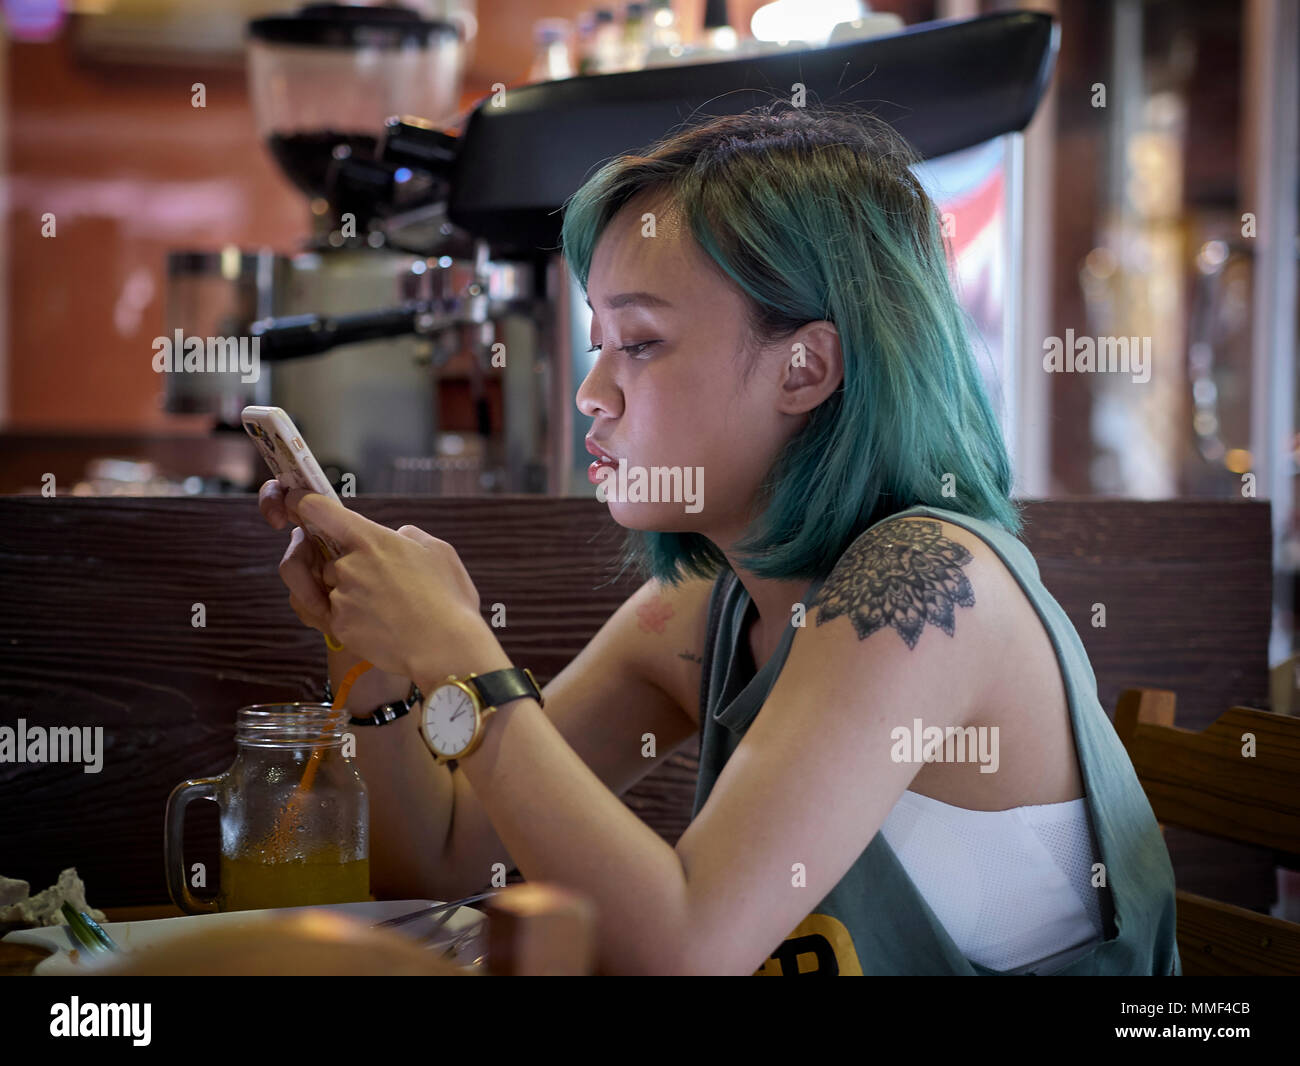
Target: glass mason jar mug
(294, 814)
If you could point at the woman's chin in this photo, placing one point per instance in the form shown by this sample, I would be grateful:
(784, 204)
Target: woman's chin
(652, 517)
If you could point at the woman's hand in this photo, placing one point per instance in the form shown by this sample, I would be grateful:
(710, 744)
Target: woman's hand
(402, 599)
(300, 569)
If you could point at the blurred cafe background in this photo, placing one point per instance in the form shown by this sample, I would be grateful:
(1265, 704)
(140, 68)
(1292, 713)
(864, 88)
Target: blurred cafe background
(369, 197)
(254, 169)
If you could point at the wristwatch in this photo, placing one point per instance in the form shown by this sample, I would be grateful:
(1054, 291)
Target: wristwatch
(389, 711)
(452, 724)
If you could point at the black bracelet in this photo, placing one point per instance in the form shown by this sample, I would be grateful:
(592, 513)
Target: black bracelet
(391, 711)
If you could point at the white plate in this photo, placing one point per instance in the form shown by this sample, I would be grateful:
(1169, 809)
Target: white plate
(157, 930)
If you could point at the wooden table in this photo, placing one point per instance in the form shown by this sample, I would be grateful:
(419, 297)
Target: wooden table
(531, 929)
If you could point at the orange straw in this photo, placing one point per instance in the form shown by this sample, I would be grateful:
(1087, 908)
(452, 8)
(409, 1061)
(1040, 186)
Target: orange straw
(279, 840)
(348, 680)
(340, 701)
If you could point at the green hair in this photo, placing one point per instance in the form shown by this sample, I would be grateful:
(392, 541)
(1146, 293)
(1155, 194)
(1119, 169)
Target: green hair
(815, 215)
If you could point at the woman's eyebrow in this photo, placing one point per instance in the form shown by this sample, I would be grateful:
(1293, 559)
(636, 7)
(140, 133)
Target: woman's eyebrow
(624, 299)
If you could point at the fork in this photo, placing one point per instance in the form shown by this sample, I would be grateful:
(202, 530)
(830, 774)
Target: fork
(453, 945)
(437, 908)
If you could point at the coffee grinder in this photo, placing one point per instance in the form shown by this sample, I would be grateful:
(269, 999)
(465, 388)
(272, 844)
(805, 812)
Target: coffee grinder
(359, 331)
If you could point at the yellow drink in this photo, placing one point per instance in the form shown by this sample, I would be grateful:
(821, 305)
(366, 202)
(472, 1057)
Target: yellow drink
(247, 884)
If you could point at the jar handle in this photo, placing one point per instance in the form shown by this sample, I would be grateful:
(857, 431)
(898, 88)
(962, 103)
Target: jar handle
(178, 885)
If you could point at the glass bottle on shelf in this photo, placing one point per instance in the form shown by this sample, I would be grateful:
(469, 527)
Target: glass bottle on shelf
(665, 38)
(719, 37)
(664, 31)
(607, 47)
(634, 37)
(586, 43)
(551, 60)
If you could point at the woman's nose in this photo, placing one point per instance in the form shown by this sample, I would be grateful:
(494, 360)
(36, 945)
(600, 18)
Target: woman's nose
(598, 392)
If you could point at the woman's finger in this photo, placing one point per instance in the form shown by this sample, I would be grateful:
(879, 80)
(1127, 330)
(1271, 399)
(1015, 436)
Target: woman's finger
(305, 616)
(302, 579)
(292, 498)
(416, 534)
(303, 546)
(270, 501)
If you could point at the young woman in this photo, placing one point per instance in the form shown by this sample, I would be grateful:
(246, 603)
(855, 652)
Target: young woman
(904, 765)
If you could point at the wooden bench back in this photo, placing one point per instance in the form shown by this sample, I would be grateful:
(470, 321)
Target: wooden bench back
(97, 611)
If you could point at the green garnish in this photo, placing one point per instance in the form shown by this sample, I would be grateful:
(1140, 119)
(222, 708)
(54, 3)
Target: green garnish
(86, 931)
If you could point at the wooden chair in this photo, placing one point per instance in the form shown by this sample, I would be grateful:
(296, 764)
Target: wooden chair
(1215, 782)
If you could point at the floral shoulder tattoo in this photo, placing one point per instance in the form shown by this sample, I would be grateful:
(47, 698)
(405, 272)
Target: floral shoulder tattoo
(903, 575)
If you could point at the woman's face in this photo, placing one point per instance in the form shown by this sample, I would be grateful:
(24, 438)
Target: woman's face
(676, 398)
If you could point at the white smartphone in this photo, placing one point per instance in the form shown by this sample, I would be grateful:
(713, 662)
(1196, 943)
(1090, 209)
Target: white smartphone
(291, 461)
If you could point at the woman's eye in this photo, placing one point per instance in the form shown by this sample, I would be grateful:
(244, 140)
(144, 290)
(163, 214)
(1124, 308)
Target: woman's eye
(633, 350)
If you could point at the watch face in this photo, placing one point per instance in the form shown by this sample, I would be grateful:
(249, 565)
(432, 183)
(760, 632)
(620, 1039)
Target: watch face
(449, 720)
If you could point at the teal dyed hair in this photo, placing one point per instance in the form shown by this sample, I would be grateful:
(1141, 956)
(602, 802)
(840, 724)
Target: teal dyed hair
(815, 215)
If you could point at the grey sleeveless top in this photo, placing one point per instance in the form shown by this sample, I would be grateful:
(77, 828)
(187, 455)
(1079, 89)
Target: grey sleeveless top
(875, 921)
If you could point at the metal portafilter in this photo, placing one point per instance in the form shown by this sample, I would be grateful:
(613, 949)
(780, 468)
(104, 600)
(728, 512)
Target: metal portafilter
(298, 336)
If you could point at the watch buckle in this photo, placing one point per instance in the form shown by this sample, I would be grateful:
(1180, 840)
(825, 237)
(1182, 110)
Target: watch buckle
(540, 701)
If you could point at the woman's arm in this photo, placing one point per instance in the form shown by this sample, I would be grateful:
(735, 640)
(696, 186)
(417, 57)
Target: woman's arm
(622, 687)
(797, 803)
(411, 796)
(429, 827)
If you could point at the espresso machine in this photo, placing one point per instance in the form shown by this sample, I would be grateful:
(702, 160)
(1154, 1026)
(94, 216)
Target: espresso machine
(355, 331)
(436, 240)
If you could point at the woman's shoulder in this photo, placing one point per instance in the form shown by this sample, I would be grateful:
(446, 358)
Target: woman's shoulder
(910, 569)
(920, 572)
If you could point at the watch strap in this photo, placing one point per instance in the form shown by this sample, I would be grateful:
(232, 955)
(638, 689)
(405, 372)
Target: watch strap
(502, 686)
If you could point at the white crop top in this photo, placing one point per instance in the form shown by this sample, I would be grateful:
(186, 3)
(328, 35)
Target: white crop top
(1012, 888)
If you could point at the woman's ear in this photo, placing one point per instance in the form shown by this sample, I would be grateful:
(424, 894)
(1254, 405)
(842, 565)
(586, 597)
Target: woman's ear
(814, 367)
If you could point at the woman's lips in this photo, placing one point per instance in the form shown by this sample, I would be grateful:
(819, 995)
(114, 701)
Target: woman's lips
(594, 474)
(603, 460)
(598, 450)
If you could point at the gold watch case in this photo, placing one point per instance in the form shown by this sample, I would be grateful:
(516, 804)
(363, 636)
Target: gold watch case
(481, 713)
